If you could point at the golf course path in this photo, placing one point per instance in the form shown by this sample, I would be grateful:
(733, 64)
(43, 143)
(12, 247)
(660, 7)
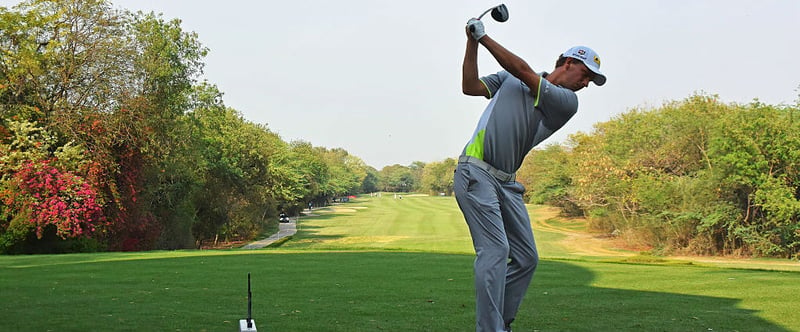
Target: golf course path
(285, 229)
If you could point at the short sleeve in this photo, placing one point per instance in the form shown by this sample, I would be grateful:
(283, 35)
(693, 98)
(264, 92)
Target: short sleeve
(494, 81)
(557, 104)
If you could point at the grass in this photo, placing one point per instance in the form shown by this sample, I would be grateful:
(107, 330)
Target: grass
(379, 264)
(431, 224)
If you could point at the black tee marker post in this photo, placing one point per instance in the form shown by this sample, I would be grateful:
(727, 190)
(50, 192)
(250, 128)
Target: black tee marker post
(248, 324)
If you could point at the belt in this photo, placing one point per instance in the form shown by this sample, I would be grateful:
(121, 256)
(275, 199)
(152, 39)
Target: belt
(498, 174)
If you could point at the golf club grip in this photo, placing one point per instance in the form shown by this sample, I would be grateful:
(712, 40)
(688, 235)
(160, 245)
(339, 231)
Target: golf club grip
(471, 28)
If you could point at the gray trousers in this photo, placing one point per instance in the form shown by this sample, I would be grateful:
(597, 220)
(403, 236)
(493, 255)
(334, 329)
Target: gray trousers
(501, 234)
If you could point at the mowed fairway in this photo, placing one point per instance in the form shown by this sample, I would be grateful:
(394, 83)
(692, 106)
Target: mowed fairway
(413, 222)
(418, 223)
(386, 264)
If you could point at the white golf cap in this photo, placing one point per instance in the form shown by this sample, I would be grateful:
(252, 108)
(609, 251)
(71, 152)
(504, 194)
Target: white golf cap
(590, 59)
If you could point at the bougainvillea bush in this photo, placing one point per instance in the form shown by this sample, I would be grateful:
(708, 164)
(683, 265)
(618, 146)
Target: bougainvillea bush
(45, 187)
(50, 196)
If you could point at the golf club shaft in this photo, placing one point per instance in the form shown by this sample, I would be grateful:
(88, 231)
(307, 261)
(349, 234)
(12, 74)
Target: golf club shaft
(484, 13)
(472, 29)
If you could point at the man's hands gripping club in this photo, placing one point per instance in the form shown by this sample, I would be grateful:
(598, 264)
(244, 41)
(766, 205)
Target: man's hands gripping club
(514, 65)
(475, 28)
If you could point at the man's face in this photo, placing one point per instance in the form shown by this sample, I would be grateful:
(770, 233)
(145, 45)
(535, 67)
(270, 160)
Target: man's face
(576, 75)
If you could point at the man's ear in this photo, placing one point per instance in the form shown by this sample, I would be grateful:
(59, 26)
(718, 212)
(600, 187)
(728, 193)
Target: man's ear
(567, 63)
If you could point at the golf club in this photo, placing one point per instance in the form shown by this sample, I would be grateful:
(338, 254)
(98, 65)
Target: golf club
(499, 14)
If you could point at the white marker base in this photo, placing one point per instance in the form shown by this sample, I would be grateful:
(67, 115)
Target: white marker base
(243, 325)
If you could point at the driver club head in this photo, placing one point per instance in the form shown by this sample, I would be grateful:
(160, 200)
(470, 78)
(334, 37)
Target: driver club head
(500, 13)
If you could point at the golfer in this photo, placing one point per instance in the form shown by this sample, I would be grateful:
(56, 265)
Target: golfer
(525, 108)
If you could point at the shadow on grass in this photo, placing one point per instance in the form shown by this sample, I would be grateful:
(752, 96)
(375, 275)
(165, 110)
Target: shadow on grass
(323, 216)
(562, 298)
(308, 234)
(337, 291)
(429, 292)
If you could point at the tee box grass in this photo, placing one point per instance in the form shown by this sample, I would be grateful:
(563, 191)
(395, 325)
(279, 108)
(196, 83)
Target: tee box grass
(382, 264)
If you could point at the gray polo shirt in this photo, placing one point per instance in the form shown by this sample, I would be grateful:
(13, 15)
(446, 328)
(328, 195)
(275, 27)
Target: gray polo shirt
(514, 121)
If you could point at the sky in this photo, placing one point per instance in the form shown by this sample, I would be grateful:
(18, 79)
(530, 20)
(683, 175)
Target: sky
(382, 79)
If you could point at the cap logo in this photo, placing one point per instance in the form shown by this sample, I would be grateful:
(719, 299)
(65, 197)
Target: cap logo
(580, 53)
(597, 60)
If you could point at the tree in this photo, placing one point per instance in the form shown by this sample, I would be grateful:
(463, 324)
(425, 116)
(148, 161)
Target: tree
(247, 171)
(694, 176)
(347, 172)
(370, 183)
(312, 170)
(112, 82)
(398, 178)
(64, 57)
(45, 191)
(106, 104)
(757, 163)
(437, 177)
(547, 175)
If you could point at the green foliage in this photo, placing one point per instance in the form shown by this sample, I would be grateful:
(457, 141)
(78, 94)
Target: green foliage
(546, 175)
(370, 183)
(693, 176)
(43, 185)
(243, 174)
(398, 178)
(109, 99)
(437, 177)
(346, 172)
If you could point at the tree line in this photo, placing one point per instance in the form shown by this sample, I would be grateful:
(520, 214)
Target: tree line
(108, 141)
(696, 176)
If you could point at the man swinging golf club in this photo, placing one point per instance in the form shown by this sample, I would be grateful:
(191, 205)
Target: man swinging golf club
(525, 108)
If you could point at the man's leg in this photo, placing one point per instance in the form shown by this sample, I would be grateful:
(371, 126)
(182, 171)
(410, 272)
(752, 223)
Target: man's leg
(522, 248)
(476, 194)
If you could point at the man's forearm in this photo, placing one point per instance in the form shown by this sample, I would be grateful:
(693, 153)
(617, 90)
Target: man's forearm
(509, 61)
(470, 82)
(513, 64)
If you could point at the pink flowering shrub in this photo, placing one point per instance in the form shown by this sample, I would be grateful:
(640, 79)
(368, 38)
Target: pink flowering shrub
(54, 197)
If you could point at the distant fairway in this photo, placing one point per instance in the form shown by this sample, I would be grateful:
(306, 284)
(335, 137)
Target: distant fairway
(415, 222)
(435, 224)
(385, 264)
(418, 223)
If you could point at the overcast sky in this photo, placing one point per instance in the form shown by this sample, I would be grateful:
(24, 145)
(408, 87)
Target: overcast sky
(381, 79)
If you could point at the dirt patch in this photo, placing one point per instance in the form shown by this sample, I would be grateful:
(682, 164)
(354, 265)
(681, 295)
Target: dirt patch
(578, 242)
(369, 239)
(337, 210)
(210, 245)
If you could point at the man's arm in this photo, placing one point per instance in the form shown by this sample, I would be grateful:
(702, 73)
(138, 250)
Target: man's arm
(471, 84)
(512, 63)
